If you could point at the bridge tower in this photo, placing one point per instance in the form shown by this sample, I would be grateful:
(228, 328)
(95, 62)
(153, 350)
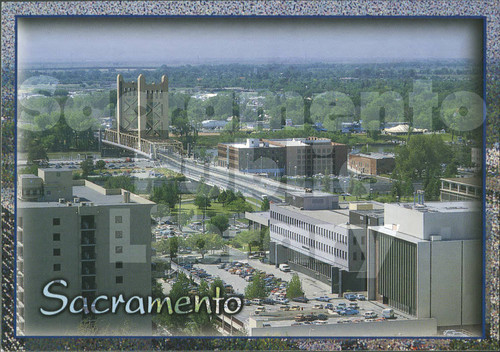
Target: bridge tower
(142, 108)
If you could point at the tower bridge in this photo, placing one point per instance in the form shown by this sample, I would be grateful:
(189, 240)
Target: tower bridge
(142, 120)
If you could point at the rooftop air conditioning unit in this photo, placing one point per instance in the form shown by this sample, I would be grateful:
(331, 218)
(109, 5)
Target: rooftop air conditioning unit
(61, 200)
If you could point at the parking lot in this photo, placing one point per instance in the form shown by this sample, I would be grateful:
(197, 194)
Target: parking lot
(314, 312)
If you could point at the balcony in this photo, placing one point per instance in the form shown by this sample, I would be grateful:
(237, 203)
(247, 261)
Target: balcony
(88, 268)
(88, 283)
(88, 238)
(88, 255)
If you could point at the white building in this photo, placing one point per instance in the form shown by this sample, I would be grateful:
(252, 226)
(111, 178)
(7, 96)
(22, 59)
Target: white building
(314, 236)
(426, 260)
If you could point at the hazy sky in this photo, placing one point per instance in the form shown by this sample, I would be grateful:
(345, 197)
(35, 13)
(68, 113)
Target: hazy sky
(201, 40)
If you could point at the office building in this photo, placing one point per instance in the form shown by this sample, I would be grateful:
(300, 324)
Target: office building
(97, 240)
(314, 236)
(292, 157)
(371, 163)
(426, 260)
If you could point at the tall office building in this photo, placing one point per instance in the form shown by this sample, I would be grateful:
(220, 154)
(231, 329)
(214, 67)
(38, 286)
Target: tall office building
(426, 260)
(97, 240)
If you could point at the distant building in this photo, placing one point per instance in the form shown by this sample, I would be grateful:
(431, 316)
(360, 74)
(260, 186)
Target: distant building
(293, 157)
(402, 129)
(97, 240)
(476, 157)
(460, 189)
(314, 236)
(371, 163)
(213, 124)
(426, 260)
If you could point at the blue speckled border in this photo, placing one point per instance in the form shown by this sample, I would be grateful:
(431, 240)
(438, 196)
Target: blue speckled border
(487, 9)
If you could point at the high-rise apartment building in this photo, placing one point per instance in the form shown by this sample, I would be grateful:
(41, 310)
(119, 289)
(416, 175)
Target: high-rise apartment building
(97, 240)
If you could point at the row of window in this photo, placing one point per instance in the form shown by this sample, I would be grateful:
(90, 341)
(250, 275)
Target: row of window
(309, 242)
(332, 235)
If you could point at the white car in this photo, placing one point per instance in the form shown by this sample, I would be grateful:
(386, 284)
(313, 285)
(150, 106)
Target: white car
(370, 315)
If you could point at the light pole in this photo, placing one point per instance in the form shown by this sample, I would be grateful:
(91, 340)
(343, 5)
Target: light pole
(247, 162)
(295, 167)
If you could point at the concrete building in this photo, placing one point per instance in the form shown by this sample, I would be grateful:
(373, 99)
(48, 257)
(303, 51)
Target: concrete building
(97, 240)
(314, 236)
(460, 189)
(371, 163)
(293, 157)
(426, 260)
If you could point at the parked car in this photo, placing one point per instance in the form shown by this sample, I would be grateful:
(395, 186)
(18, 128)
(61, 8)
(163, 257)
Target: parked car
(329, 306)
(361, 297)
(300, 299)
(282, 300)
(353, 305)
(349, 311)
(323, 317)
(284, 267)
(269, 301)
(370, 315)
(350, 296)
(257, 301)
(324, 299)
(388, 313)
(300, 317)
(318, 306)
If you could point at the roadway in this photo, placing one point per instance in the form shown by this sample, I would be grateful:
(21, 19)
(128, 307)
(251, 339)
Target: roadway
(250, 185)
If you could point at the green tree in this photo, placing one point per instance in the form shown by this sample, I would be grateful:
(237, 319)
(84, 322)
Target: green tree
(173, 247)
(265, 205)
(214, 192)
(87, 167)
(358, 189)
(123, 182)
(100, 165)
(175, 323)
(294, 288)
(36, 152)
(200, 244)
(257, 288)
(220, 223)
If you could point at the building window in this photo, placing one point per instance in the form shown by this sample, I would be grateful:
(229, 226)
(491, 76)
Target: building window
(362, 256)
(118, 219)
(354, 256)
(354, 240)
(118, 265)
(56, 237)
(56, 252)
(57, 267)
(362, 239)
(118, 249)
(119, 279)
(20, 221)
(58, 174)
(118, 234)
(56, 221)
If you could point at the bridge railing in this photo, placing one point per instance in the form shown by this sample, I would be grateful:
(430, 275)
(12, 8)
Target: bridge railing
(144, 145)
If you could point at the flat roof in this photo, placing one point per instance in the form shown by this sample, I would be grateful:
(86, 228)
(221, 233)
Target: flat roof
(85, 194)
(311, 194)
(444, 207)
(336, 217)
(374, 155)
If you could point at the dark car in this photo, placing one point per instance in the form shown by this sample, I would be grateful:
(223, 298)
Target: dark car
(322, 317)
(269, 301)
(301, 299)
(310, 317)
